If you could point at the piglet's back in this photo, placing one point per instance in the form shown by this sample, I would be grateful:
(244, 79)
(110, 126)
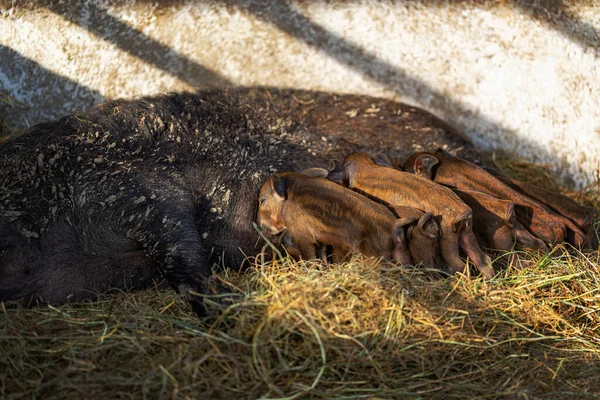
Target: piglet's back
(402, 188)
(455, 172)
(320, 196)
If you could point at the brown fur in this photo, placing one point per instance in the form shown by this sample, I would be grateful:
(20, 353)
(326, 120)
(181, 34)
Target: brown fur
(423, 234)
(534, 215)
(397, 187)
(326, 253)
(578, 214)
(493, 219)
(318, 212)
(495, 223)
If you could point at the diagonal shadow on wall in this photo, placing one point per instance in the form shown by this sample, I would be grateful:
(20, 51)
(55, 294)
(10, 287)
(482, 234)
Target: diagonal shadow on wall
(19, 73)
(90, 16)
(285, 17)
(557, 15)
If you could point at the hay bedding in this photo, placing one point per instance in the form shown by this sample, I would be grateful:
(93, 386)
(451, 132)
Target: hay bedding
(362, 329)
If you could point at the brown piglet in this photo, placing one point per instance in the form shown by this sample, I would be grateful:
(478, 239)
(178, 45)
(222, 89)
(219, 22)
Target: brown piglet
(535, 216)
(421, 229)
(455, 218)
(316, 212)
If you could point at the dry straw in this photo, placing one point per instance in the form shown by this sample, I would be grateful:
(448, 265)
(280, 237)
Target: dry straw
(363, 329)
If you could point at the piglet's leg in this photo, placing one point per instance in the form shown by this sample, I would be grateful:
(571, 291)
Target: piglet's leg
(590, 236)
(526, 239)
(469, 244)
(576, 236)
(308, 249)
(449, 248)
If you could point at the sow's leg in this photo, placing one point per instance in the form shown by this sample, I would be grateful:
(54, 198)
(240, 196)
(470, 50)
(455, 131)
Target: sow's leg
(121, 243)
(160, 216)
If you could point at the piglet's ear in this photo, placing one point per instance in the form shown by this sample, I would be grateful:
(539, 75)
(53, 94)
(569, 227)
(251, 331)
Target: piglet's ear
(316, 172)
(279, 185)
(400, 252)
(382, 160)
(337, 171)
(332, 165)
(400, 233)
(427, 226)
(423, 165)
(509, 218)
(403, 221)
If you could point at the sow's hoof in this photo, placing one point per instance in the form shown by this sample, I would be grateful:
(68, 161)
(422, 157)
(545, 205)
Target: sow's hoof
(215, 298)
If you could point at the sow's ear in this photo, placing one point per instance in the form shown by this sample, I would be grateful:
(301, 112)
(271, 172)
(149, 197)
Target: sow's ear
(337, 170)
(423, 165)
(316, 172)
(279, 186)
(382, 160)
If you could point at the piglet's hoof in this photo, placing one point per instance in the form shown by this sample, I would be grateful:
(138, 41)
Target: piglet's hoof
(487, 272)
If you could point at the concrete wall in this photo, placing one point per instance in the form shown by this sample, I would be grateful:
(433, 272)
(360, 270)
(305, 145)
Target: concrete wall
(523, 76)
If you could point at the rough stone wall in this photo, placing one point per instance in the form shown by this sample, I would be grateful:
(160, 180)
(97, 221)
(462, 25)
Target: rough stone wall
(523, 76)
